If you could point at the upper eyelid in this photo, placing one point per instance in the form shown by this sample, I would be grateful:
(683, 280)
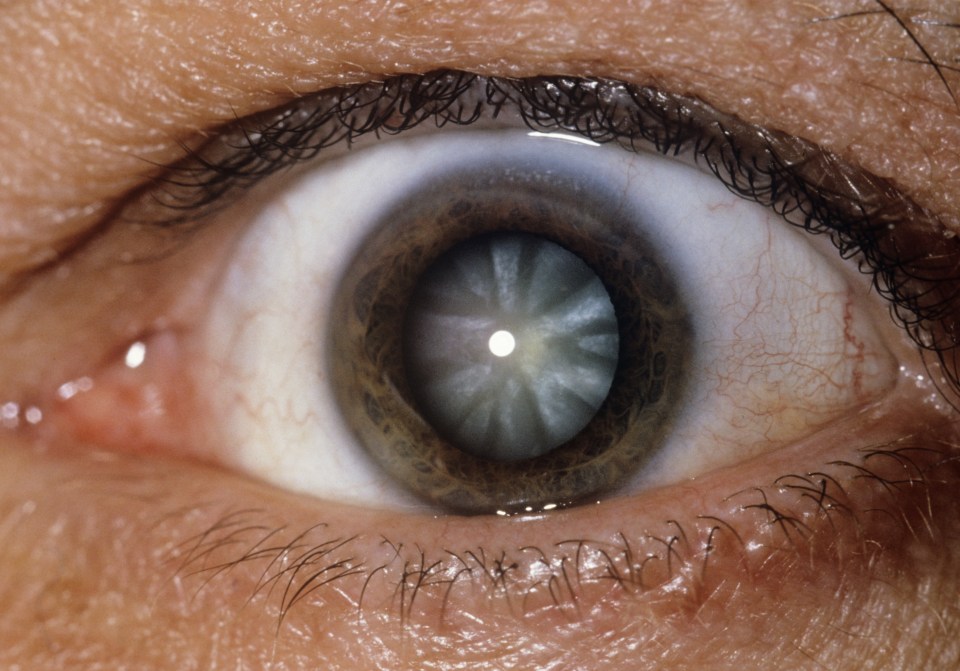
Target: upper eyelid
(923, 45)
(249, 149)
(864, 215)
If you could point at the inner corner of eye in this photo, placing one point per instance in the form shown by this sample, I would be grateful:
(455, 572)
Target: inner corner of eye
(510, 321)
(140, 399)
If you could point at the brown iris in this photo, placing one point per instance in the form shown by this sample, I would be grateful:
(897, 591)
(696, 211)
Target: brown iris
(381, 391)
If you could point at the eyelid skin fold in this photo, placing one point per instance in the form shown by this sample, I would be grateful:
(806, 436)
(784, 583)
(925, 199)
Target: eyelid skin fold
(50, 194)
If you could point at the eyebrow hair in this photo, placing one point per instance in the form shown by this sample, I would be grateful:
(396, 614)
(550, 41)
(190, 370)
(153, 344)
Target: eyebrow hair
(905, 20)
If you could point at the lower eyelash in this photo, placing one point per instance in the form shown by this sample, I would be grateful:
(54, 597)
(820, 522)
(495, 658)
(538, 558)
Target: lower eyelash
(866, 218)
(805, 513)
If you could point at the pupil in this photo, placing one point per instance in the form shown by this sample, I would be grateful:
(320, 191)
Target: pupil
(510, 345)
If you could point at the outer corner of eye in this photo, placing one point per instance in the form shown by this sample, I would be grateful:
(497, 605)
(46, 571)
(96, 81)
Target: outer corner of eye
(505, 320)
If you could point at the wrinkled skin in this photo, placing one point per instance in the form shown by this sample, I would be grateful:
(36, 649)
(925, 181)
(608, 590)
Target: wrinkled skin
(114, 559)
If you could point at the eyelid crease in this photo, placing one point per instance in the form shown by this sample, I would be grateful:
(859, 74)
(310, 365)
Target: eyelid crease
(865, 216)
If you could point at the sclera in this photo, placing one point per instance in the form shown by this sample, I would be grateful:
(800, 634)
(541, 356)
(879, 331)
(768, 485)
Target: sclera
(278, 409)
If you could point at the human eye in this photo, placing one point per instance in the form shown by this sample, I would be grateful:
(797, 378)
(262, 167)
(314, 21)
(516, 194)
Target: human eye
(821, 515)
(716, 365)
(248, 333)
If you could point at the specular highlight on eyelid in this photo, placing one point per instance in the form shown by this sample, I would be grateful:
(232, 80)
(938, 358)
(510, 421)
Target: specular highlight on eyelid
(453, 98)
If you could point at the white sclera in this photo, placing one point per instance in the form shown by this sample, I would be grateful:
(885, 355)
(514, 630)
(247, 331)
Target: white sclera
(782, 345)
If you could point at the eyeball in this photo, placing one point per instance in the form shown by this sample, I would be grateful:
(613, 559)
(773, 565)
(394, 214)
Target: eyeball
(732, 334)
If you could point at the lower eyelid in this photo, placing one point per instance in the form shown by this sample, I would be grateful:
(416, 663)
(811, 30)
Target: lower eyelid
(706, 557)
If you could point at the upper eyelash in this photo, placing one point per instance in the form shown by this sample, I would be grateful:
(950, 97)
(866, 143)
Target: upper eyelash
(865, 216)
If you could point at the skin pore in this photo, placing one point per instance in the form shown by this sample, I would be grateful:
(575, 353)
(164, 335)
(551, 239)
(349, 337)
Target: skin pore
(819, 555)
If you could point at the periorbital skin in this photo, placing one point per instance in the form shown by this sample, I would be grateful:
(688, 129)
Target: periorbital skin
(753, 548)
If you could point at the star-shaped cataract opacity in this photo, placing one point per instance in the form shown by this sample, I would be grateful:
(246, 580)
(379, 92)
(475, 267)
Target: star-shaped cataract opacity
(511, 346)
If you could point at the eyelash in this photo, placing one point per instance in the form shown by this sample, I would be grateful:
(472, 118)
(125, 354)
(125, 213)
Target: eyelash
(809, 187)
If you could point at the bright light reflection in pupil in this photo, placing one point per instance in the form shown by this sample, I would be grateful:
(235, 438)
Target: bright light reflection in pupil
(547, 320)
(502, 343)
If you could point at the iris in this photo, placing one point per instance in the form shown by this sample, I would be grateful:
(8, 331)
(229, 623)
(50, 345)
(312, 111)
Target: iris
(601, 340)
